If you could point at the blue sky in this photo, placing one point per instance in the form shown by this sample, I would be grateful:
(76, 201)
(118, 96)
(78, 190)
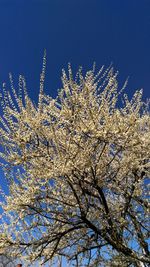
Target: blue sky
(75, 31)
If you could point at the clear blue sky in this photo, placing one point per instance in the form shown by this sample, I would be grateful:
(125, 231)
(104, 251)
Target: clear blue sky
(76, 31)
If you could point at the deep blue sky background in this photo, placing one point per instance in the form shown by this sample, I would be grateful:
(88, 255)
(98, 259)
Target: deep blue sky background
(76, 31)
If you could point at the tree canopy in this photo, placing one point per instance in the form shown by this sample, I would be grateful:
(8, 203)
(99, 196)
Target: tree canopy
(77, 167)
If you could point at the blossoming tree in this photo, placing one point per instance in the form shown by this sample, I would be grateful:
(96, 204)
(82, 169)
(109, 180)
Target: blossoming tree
(77, 169)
